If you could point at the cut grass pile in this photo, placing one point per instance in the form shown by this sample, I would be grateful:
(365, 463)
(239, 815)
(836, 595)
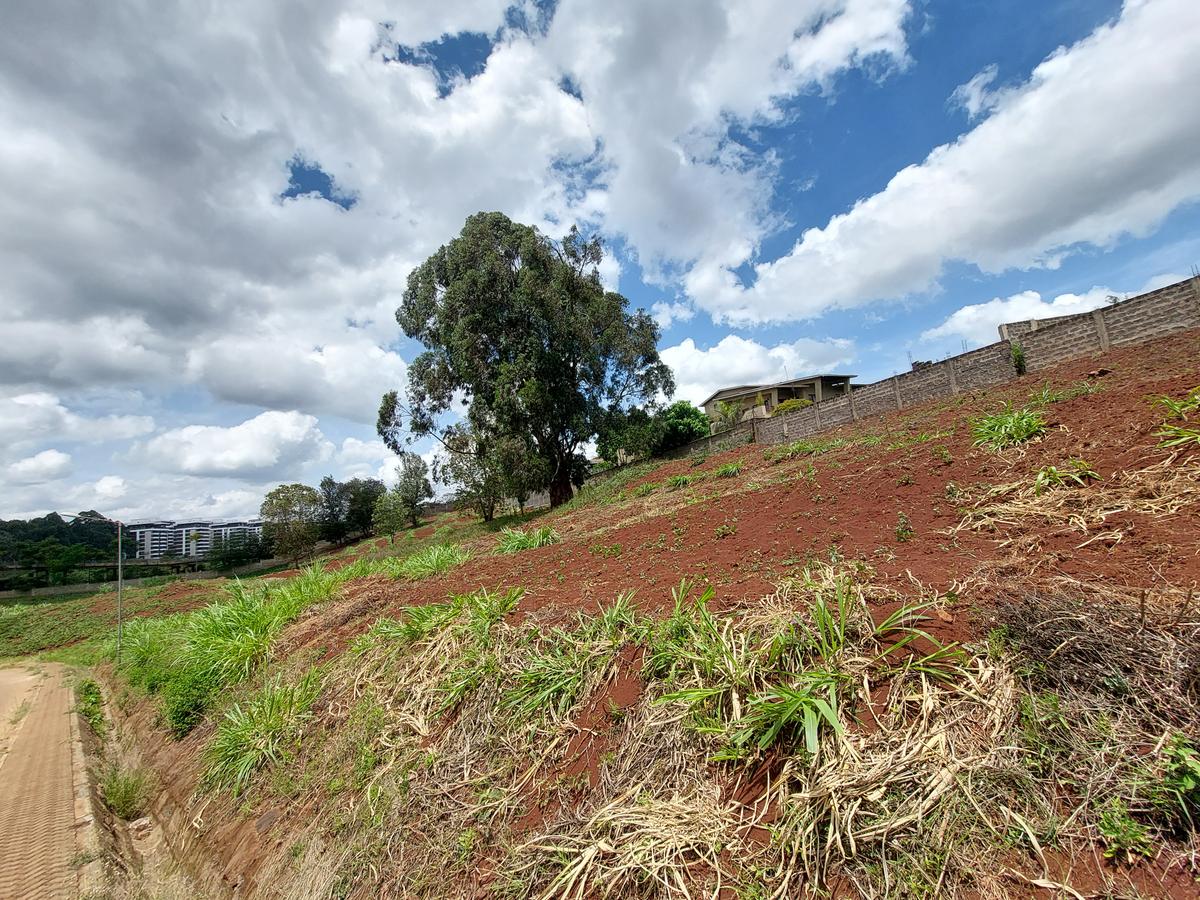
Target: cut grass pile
(513, 540)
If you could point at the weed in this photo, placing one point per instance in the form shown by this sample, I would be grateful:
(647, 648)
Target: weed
(698, 460)
(1177, 793)
(905, 480)
(676, 482)
(1017, 355)
(803, 448)
(645, 489)
(512, 540)
(904, 529)
(1076, 471)
(91, 706)
(725, 530)
(1123, 835)
(791, 708)
(126, 791)
(1172, 435)
(1008, 427)
(608, 551)
(942, 454)
(1181, 409)
(728, 470)
(255, 733)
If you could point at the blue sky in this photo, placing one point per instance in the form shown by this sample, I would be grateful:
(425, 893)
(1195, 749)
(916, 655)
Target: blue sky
(205, 239)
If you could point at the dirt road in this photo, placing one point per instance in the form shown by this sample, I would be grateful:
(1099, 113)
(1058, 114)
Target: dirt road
(37, 807)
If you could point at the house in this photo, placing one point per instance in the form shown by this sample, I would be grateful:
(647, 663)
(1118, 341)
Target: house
(759, 400)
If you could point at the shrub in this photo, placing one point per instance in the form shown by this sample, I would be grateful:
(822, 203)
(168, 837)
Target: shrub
(91, 706)
(256, 733)
(1008, 427)
(512, 540)
(790, 406)
(1017, 354)
(1123, 835)
(728, 470)
(126, 791)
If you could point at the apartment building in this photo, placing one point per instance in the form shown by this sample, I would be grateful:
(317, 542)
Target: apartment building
(177, 540)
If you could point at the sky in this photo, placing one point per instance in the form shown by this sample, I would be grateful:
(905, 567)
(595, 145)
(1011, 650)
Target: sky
(210, 210)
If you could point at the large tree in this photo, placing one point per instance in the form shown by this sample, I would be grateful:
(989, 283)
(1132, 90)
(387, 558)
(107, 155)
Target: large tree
(412, 486)
(290, 516)
(520, 327)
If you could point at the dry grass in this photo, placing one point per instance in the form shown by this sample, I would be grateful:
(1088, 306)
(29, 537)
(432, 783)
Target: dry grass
(1163, 489)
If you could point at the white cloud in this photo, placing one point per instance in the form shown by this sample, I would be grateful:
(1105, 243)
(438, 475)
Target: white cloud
(49, 465)
(1077, 155)
(978, 323)
(41, 415)
(110, 487)
(736, 360)
(976, 96)
(270, 445)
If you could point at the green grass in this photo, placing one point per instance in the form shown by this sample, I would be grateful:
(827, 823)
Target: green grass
(259, 731)
(1008, 427)
(1075, 471)
(728, 470)
(513, 540)
(1124, 837)
(126, 791)
(800, 448)
(435, 560)
(677, 482)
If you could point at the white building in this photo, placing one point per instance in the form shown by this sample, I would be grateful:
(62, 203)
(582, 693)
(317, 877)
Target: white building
(174, 540)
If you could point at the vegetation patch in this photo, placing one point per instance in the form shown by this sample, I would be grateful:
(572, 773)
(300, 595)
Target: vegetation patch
(1008, 427)
(90, 703)
(512, 540)
(126, 791)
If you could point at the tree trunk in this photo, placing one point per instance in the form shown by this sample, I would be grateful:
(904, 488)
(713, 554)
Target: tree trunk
(560, 487)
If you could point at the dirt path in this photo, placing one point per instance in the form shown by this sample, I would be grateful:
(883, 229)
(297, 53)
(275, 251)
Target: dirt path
(37, 806)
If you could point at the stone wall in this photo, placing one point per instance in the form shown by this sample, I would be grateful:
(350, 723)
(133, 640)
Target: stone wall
(1044, 342)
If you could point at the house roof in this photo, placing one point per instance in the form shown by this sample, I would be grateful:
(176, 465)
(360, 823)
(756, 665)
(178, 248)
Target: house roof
(741, 390)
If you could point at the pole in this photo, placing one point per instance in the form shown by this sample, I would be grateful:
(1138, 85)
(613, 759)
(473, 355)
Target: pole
(120, 573)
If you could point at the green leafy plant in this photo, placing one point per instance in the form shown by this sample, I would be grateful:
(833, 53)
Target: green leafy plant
(1017, 355)
(904, 529)
(804, 708)
(1008, 427)
(728, 470)
(1076, 471)
(645, 489)
(1177, 793)
(608, 551)
(126, 791)
(1183, 407)
(513, 540)
(725, 530)
(942, 454)
(1171, 434)
(90, 703)
(790, 406)
(255, 733)
(1124, 837)
(676, 482)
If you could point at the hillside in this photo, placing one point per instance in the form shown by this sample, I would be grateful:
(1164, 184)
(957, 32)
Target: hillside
(880, 662)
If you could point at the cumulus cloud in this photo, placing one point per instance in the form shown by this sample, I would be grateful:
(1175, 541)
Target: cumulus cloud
(41, 415)
(738, 360)
(49, 465)
(1075, 156)
(270, 445)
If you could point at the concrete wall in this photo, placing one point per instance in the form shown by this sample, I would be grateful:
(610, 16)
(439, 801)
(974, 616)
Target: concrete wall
(1169, 309)
(1043, 341)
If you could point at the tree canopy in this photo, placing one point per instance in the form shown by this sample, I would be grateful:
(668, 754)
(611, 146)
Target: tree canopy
(521, 328)
(290, 515)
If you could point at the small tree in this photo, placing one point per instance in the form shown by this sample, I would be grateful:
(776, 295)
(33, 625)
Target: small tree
(728, 415)
(524, 472)
(390, 514)
(413, 487)
(362, 494)
(474, 469)
(681, 423)
(290, 514)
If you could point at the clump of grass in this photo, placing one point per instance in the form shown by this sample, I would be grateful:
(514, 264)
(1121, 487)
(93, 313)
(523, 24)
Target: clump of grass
(803, 448)
(431, 561)
(126, 791)
(90, 702)
(728, 470)
(1076, 471)
(1008, 427)
(676, 482)
(1173, 435)
(1046, 395)
(1017, 355)
(608, 551)
(513, 540)
(645, 489)
(257, 732)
